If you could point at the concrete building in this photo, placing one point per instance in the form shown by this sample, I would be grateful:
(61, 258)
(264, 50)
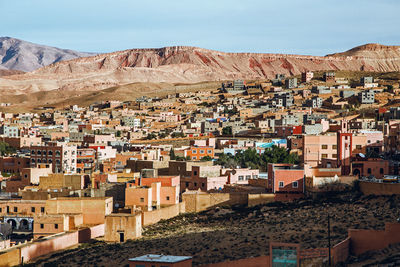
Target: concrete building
(307, 76)
(152, 260)
(285, 178)
(329, 76)
(62, 157)
(367, 97)
(291, 83)
(9, 131)
(120, 227)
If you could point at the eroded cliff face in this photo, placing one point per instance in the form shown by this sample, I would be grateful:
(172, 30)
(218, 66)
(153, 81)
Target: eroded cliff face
(190, 65)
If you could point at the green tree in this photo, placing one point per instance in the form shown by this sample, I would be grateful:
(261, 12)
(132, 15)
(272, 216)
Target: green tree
(172, 154)
(118, 134)
(6, 149)
(206, 158)
(151, 136)
(227, 130)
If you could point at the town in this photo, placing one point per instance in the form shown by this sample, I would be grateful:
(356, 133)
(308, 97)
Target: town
(113, 170)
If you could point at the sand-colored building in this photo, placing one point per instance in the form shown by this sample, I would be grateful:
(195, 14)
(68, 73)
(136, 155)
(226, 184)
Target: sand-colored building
(60, 180)
(93, 209)
(120, 227)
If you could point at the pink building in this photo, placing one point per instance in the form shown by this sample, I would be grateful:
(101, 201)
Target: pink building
(285, 178)
(241, 176)
(204, 178)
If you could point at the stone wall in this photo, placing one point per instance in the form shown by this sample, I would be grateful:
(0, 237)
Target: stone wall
(152, 217)
(370, 188)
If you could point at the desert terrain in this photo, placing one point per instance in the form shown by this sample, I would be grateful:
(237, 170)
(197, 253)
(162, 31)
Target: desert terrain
(240, 232)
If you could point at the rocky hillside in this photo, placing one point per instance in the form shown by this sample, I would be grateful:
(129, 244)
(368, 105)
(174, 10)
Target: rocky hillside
(20, 55)
(181, 64)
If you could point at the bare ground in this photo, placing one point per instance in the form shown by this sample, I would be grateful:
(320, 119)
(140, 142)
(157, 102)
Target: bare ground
(233, 233)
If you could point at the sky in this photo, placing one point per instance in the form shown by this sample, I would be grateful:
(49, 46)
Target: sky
(308, 27)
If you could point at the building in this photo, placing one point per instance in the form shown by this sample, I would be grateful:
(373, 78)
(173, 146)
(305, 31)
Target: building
(291, 83)
(199, 152)
(120, 227)
(329, 76)
(285, 178)
(315, 102)
(62, 157)
(9, 131)
(366, 80)
(151, 260)
(307, 76)
(367, 97)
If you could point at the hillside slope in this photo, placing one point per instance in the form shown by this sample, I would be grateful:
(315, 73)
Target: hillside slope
(20, 55)
(191, 65)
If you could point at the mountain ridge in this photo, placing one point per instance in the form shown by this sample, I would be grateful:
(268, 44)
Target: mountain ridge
(16, 54)
(187, 64)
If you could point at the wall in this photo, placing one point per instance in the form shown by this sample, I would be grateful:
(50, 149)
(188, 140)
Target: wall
(10, 257)
(28, 251)
(197, 201)
(341, 251)
(262, 261)
(47, 246)
(370, 188)
(365, 240)
(152, 217)
(257, 199)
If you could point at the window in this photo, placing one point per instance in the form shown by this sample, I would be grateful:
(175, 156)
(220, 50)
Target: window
(195, 173)
(369, 170)
(15, 209)
(324, 156)
(195, 184)
(187, 184)
(167, 198)
(194, 157)
(32, 152)
(334, 146)
(41, 226)
(56, 226)
(381, 170)
(141, 199)
(281, 184)
(201, 151)
(255, 176)
(209, 151)
(42, 209)
(194, 151)
(241, 177)
(324, 146)
(358, 146)
(50, 153)
(33, 209)
(334, 156)
(248, 177)
(202, 184)
(295, 184)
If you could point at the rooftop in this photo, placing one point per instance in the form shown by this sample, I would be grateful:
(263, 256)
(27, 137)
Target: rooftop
(160, 258)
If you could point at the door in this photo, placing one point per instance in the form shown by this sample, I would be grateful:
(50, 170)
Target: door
(121, 237)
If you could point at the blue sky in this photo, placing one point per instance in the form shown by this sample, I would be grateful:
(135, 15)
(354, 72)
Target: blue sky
(312, 27)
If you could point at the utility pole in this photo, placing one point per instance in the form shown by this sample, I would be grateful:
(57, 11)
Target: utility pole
(329, 240)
